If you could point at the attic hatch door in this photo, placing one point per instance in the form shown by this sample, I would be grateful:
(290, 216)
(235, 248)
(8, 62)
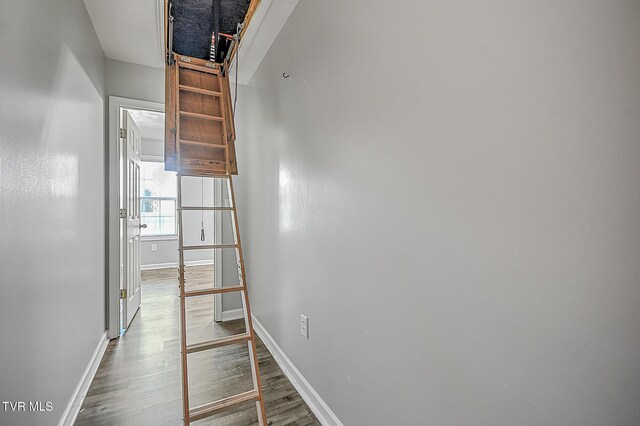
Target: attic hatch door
(199, 118)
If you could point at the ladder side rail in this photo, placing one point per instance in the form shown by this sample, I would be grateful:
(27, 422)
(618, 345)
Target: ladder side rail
(249, 335)
(181, 271)
(253, 353)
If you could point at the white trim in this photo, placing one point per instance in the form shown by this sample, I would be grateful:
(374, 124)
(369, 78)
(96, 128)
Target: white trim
(73, 407)
(159, 12)
(151, 266)
(232, 314)
(113, 194)
(265, 25)
(159, 238)
(149, 158)
(304, 388)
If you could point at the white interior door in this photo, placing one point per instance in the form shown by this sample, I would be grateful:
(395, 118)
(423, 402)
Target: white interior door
(131, 189)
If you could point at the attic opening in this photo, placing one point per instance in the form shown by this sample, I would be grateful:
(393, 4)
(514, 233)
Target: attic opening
(205, 29)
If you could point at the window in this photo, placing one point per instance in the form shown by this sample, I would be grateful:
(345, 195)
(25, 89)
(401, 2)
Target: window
(158, 200)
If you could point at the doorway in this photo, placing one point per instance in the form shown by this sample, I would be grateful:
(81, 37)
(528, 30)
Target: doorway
(143, 231)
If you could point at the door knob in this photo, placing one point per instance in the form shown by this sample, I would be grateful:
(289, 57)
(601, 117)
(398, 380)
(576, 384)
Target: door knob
(144, 225)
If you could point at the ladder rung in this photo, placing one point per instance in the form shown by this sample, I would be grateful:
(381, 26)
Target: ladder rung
(210, 246)
(200, 143)
(202, 116)
(185, 208)
(200, 68)
(217, 343)
(206, 410)
(199, 90)
(204, 175)
(216, 290)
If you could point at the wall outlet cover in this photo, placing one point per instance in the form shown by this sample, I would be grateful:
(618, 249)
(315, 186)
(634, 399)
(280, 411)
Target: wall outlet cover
(154, 247)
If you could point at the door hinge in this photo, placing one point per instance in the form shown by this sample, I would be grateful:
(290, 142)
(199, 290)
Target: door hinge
(123, 213)
(123, 133)
(123, 293)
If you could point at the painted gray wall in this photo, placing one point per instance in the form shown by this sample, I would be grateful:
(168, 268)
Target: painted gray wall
(232, 301)
(166, 252)
(152, 147)
(52, 307)
(455, 207)
(134, 81)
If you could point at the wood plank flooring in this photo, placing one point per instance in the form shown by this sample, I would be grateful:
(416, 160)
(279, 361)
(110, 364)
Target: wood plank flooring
(138, 381)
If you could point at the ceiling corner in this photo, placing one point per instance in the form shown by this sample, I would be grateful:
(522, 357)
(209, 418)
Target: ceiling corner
(269, 18)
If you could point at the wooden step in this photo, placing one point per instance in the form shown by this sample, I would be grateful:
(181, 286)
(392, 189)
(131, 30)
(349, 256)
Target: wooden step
(199, 90)
(198, 67)
(217, 290)
(217, 343)
(210, 246)
(208, 174)
(206, 410)
(200, 143)
(200, 116)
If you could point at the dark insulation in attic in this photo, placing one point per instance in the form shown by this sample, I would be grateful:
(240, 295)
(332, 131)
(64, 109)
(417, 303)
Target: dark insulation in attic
(193, 25)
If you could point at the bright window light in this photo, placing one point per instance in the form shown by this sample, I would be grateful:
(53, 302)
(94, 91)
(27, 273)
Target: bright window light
(158, 200)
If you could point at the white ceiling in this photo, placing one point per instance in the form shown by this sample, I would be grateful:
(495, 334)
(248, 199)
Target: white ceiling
(150, 123)
(133, 31)
(129, 30)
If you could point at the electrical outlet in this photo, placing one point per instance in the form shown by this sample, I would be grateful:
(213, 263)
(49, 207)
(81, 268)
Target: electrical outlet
(304, 326)
(154, 247)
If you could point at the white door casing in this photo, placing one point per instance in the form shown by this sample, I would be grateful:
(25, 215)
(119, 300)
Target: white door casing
(116, 204)
(131, 244)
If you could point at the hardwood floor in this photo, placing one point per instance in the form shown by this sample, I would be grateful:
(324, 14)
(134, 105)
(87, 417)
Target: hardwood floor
(138, 381)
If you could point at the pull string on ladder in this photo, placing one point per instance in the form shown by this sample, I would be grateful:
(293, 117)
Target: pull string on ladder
(248, 337)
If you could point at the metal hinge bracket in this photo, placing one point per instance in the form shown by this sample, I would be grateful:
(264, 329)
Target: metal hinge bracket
(123, 133)
(123, 213)
(123, 293)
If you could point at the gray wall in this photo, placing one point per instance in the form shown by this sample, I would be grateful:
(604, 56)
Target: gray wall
(52, 233)
(152, 147)
(455, 206)
(134, 81)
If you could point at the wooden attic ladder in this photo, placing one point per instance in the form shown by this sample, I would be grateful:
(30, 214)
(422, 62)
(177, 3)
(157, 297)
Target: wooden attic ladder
(201, 143)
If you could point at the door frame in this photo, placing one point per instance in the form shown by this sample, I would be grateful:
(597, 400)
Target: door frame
(113, 206)
(116, 103)
(128, 151)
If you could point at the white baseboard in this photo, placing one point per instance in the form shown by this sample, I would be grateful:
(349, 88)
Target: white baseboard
(73, 407)
(232, 314)
(175, 264)
(321, 410)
